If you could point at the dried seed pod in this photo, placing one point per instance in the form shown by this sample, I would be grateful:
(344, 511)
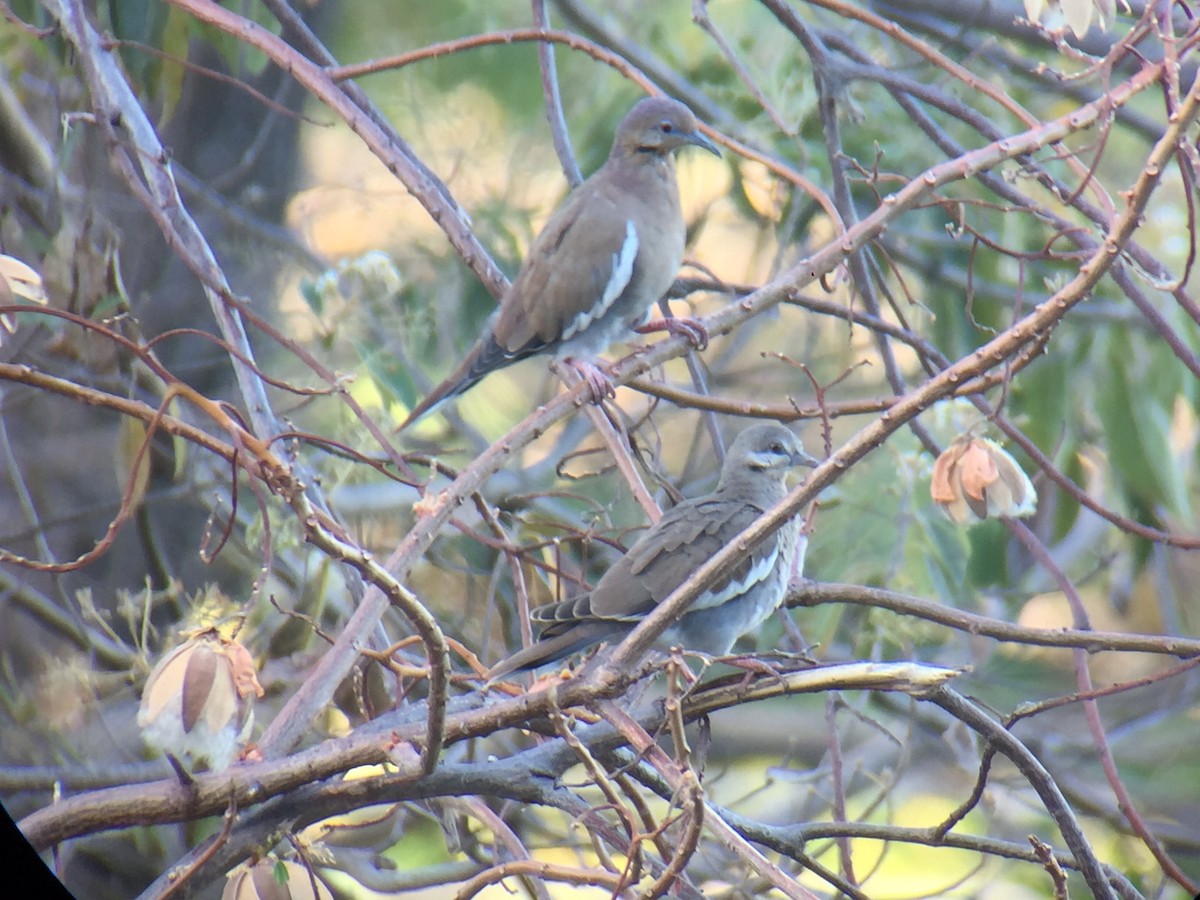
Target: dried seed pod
(198, 703)
(975, 479)
(273, 879)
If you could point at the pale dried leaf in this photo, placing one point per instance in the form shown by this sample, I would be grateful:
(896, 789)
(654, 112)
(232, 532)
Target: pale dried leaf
(978, 471)
(202, 665)
(266, 885)
(131, 436)
(941, 485)
(1078, 14)
(1034, 9)
(7, 299)
(367, 826)
(261, 881)
(22, 280)
(1021, 497)
(975, 479)
(163, 685)
(225, 710)
(245, 674)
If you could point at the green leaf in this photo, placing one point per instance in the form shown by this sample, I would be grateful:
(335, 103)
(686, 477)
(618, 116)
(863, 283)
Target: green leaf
(937, 549)
(394, 381)
(988, 564)
(312, 296)
(1066, 507)
(1039, 399)
(176, 33)
(1136, 414)
(140, 23)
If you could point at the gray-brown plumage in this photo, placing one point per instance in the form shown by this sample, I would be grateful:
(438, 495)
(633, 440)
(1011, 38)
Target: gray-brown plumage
(604, 258)
(752, 481)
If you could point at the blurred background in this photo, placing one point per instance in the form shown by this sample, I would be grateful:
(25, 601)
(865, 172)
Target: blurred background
(351, 289)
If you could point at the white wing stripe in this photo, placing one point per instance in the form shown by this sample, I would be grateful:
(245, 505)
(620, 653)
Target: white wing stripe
(759, 571)
(618, 280)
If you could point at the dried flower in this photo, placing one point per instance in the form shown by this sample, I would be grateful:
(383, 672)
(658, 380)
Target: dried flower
(198, 703)
(976, 479)
(273, 879)
(18, 280)
(1077, 14)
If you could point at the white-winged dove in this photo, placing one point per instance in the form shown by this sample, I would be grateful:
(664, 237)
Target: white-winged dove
(604, 258)
(752, 481)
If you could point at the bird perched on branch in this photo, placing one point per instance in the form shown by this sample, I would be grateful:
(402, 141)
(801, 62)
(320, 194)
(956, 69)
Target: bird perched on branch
(752, 481)
(605, 257)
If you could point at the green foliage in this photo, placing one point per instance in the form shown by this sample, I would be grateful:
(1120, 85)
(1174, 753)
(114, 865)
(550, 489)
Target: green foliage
(935, 558)
(1039, 400)
(988, 565)
(1135, 398)
(141, 22)
(155, 43)
(1108, 401)
(391, 377)
(176, 35)
(882, 528)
